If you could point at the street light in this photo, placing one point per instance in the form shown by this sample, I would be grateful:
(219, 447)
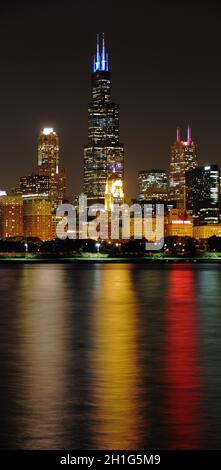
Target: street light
(26, 248)
(98, 245)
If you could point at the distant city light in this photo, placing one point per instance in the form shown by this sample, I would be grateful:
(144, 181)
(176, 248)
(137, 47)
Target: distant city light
(28, 196)
(207, 167)
(181, 221)
(3, 193)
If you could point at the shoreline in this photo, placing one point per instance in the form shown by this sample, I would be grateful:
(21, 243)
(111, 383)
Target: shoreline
(94, 260)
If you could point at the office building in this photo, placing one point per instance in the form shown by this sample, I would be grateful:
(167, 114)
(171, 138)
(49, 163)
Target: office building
(178, 224)
(153, 184)
(183, 157)
(204, 232)
(11, 216)
(203, 194)
(48, 165)
(34, 184)
(38, 217)
(103, 152)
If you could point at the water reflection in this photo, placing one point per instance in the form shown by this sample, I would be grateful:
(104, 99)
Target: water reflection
(9, 375)
(42, 356)
(117, 387)
(209, 285)
(110, 356)
(182, 363)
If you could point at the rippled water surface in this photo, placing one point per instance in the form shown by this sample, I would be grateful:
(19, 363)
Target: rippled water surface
(110, 356)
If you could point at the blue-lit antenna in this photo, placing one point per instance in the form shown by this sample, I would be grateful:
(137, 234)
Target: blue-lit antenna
(103, 61)
(97, 58)
(107, 62)
(100, 62)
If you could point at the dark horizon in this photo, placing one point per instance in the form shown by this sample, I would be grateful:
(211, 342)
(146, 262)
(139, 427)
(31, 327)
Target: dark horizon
(165, 72)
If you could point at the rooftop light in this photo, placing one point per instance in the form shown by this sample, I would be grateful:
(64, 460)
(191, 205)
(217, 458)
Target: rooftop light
(48, 130)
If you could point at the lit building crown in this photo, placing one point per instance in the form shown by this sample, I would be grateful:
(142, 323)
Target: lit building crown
(101, 58)
(48, 130)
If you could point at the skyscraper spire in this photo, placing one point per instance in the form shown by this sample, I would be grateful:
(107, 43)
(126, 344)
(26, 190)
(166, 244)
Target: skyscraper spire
(101, 58)
(189, 137)
(97, 58)
(178, 134)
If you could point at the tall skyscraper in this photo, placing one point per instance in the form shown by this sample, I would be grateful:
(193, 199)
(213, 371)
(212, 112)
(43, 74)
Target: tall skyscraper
(203, 193)
(153, 184)
(183, 158)
(103, 154)
(48, 164)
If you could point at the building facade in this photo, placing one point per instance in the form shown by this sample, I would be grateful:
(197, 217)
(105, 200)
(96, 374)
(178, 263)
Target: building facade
(37, 217)
(204, 232)
(183, 157)
(103, 153)
(203, 194)
(48, 165)
(11, 216)
(153, 184)
(34, 184)
(178, 224)
(114, 193)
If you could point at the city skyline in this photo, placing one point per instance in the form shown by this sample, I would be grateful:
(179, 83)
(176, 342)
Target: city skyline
(32, 178)
(110, 232)
(46, 82)
(94, 134)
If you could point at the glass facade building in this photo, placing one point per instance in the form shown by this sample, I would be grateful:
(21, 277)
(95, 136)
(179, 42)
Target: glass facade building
(203, 193)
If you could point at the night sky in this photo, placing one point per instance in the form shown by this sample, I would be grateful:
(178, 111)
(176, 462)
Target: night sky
(166, 71)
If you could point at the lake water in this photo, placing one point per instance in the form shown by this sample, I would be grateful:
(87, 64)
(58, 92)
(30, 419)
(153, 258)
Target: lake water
(110, 356)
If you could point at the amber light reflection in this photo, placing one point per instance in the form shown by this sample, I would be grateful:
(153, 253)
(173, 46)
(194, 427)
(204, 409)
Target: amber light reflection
(117, 386)
(42, 357)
